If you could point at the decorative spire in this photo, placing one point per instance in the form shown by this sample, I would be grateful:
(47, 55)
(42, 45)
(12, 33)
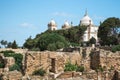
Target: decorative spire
(86, 13)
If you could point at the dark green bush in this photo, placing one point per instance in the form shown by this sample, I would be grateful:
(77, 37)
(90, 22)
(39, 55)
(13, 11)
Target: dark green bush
(35, 49)
(74, 44)
(51, 47)
(70, 67)
(60, 38)
(40, 72)
(7, 51)
(92, 40)
(101, 69)
(18, 59)
(80, 68)
(2, 65)
(116, 48)
(14, 67)
(51, 41)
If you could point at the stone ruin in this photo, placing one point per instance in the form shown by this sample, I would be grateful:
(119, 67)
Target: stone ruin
(54, 62)
(7, 61)
(50, 61)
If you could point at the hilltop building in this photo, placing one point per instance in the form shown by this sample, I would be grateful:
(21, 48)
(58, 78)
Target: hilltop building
(91, 31)
(52, 25)
(66, 25)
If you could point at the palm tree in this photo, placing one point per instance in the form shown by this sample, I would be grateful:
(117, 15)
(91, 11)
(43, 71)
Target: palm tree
(3, 42)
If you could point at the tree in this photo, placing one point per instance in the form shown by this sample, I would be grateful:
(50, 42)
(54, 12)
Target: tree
(18, 59)
(109, 28)
(14, 45)
(51, 41)
(58, 39)
(51, 47)
(9, 45)
(29, 43)
(92, 40)
(3, 42)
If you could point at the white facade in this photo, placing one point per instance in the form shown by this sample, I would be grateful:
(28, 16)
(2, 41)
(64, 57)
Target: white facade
(52, 25)
(91, 31)
(66, 25)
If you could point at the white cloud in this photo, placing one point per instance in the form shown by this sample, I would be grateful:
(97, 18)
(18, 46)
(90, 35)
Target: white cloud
(62, 14)
(95, 17)
(25, 24)
(28, 25)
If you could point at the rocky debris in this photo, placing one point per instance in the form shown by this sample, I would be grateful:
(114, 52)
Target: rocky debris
(12, 75)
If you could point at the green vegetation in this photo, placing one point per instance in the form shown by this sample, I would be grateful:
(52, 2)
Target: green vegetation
(74, 34)
(72, 67)
(14, 67)
(116, 48)
(7, 51)
(46, 41)
(14, 45)
(111, 68)
(80, 69)
(92, 40)
(2, 64)
(7, 44)
(18, 59)
(53, 40)
(109, 31)
(3, 42)
(101, 69)
(40, 72)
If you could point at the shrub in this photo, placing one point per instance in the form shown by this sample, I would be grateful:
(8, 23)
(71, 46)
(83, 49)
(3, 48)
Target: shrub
(101, 69)
(74, 44)
(50, 41)
(14, 67)
(2, 65)
(92, 40)
(40, 72)
(18, 59)
(7, 51)
(35, 49)
(51, 47)
(116, 48)
(80, 68)
(59, 45)
(70, 67)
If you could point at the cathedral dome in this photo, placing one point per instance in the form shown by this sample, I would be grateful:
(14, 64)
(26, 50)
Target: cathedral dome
(66, 23)
(86, 20)
(52, 22)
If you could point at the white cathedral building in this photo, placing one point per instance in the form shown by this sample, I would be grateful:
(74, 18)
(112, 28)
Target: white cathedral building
(91, 31)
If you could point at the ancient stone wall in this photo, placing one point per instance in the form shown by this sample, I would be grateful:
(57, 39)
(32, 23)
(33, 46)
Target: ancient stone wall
(54, 61)
(94, 60)
(15, 50)
(12, 75)
(105, 59)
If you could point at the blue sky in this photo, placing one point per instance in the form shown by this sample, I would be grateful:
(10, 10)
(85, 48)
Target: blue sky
(20, 19)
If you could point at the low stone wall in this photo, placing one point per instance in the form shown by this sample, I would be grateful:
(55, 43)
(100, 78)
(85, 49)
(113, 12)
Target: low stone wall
(15, 50)
(12, 75)
(68, 75)
(54, 61)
